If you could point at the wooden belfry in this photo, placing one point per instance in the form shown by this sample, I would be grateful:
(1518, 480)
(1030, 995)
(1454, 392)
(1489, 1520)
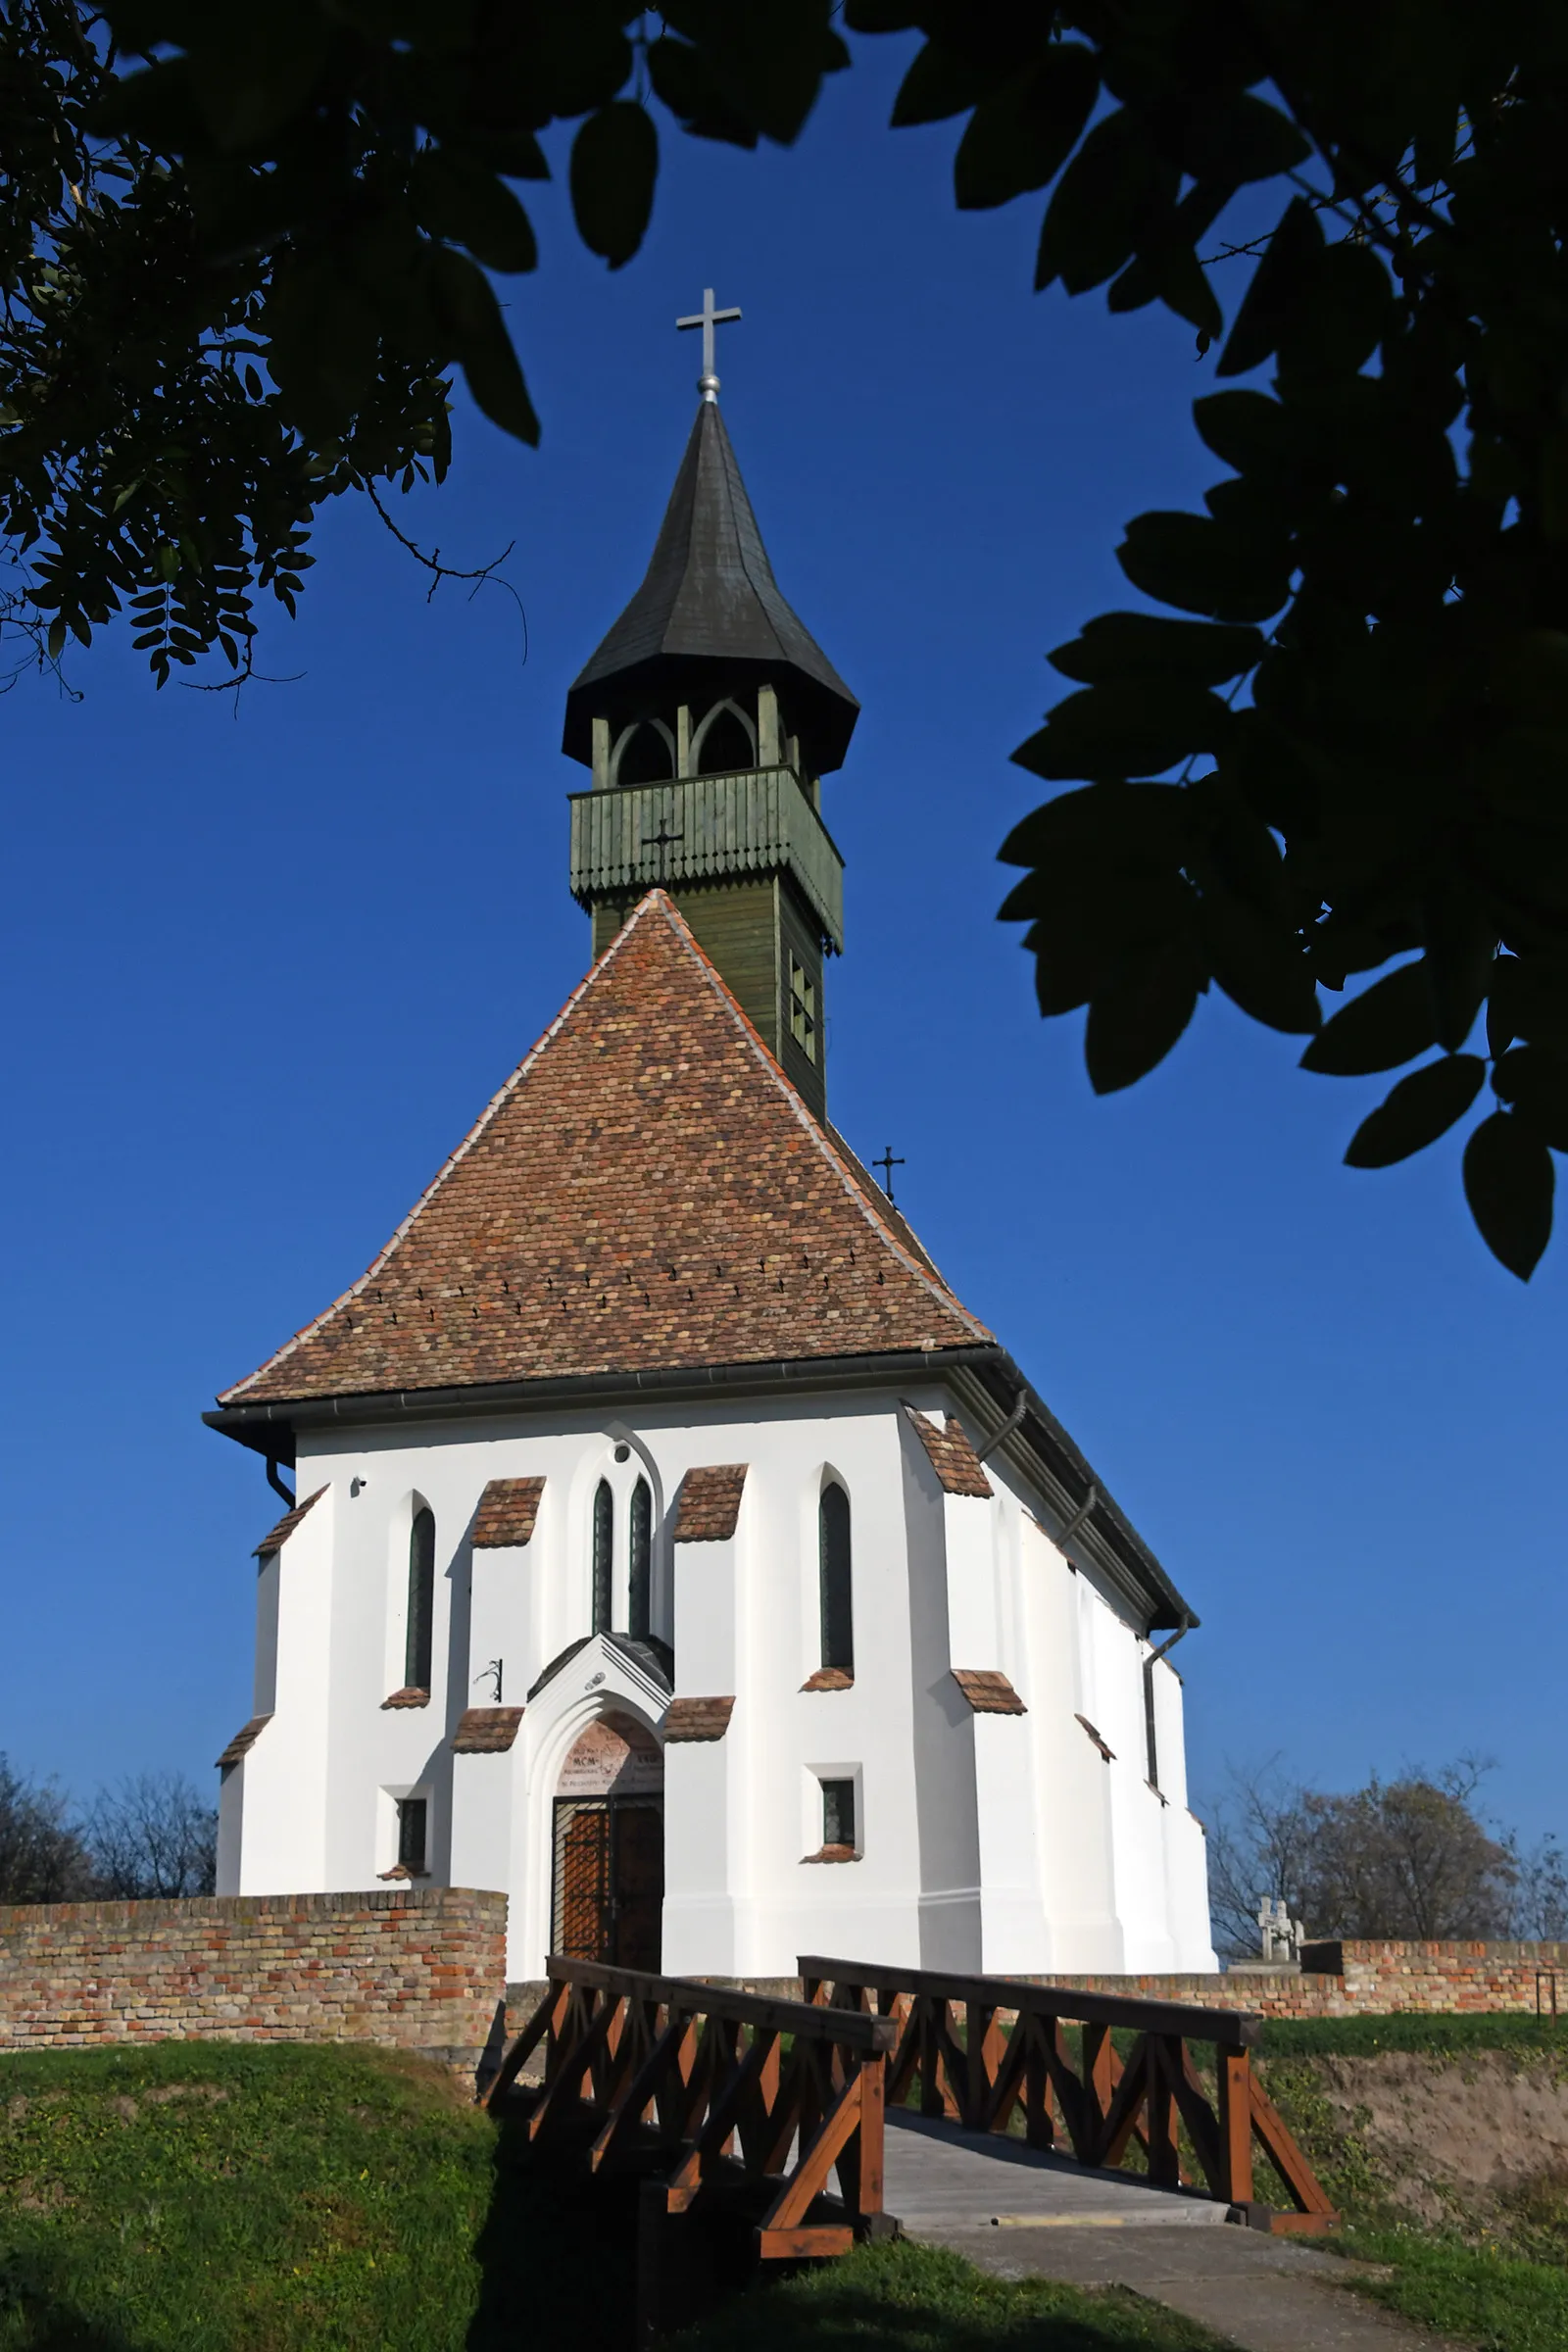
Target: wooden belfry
(708, 715)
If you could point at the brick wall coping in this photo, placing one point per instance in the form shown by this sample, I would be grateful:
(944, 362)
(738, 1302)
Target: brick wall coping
(192, 1907)
(1328, 1956)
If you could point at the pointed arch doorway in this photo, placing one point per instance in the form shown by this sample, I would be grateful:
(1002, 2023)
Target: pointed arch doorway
(608, 1875)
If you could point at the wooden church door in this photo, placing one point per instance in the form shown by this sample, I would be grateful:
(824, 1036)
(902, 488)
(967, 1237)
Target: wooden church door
(609, 1847)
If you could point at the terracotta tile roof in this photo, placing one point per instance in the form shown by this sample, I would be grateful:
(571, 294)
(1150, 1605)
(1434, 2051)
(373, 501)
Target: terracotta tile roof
(508, 1509)
(243, 1741)
(989, 1692)
(698, 1719)
(952, 1457)
(410, 1696)
(646, 1192)
(708, 1503)
(891, 1216)
(829, 1678)
(277, 1537)
(485, 1731)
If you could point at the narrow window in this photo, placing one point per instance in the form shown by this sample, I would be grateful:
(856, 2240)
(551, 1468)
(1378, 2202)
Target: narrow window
(838, 1621)
(422, 1599)
(642, 1548)
(803, 1008)
(413, 1813)
(603, 1554)
(1149, 1723)
(838, 1813)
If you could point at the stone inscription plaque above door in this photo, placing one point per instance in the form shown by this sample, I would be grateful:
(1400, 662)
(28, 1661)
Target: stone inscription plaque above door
(613, 1757)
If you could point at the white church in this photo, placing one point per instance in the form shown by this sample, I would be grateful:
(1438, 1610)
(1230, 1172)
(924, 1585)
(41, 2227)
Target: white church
(672, 1549)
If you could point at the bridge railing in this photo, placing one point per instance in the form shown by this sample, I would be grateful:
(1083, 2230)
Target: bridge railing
(979, 2049)
(701, 2090)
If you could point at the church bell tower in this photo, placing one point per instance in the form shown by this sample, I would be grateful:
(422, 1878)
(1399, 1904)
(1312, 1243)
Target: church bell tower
(708, 716)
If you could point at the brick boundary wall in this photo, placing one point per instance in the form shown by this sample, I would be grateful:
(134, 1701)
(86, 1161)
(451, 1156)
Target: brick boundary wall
(416, 1967)
(1336, 1979)
(1380, 1978)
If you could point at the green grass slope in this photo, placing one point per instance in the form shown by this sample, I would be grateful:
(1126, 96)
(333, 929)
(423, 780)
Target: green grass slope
(1455, 2035)
(217, 2197)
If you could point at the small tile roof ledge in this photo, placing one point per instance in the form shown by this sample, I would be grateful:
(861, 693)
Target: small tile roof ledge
(485, 1731)
(988, 1691)
(698, 1719)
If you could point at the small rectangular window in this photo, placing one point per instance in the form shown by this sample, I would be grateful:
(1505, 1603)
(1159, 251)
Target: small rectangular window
(803, 1008)
(412, 1815)
(838, 1813)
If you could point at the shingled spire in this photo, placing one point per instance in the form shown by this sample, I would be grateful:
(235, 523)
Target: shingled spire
(710, 621)
(708, 715)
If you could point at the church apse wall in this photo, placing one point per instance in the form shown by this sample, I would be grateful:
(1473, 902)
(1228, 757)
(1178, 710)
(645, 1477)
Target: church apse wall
(862, 1687)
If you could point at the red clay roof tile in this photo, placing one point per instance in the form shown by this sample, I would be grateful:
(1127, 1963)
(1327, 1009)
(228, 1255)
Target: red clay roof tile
(508, 1509)
(646, 1192)
(244, 1739)
(989, 1692)
(698, 1719)
(952, 1457)
(277, 1537)
(708, 1503)
(485, 1731)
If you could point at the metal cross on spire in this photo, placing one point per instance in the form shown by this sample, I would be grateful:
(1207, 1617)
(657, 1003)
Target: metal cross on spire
(888, 1163)
(707, 318)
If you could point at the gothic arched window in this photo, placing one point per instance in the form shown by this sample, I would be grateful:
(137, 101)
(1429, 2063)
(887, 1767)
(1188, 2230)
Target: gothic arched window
(833, 1546)
(723, 742)
(603, 1554)
(422, 1599)
(642, 1555)
(645, 753)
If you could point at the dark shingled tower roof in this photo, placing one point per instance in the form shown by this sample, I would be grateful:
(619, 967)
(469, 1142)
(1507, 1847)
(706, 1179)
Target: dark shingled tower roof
(710, 614)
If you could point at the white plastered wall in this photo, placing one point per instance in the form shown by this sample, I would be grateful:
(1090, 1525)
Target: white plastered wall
(997, 1841)
(282, 1849)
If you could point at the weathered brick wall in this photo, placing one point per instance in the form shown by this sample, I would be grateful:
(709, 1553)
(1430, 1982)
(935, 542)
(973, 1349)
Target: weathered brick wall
(1384, 1976)
(421, 1968)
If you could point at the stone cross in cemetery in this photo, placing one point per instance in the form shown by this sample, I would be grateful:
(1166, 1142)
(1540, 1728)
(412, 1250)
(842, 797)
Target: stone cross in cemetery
(1282, 1935)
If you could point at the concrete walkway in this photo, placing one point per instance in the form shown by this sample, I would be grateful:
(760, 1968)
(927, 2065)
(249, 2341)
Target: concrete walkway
(1023, 2215)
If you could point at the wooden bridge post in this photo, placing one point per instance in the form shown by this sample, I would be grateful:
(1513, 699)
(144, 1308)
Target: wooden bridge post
(1164, 2165)
(1234, 2067)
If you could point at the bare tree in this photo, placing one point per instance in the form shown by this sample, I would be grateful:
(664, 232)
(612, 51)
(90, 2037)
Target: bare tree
(1540, 1897)
(152, 1834)
(1260, 1833)
(1408, 1857)
(42, 1856)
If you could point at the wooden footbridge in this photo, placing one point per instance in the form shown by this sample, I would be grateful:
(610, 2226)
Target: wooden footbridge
(890, 2097)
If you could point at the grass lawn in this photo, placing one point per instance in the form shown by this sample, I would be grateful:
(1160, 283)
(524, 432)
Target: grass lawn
(923, 2300)
(213, 2197)
(1452, 2037)
(1497, 2301)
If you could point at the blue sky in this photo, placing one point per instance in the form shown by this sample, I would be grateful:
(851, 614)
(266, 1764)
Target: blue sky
(262, 972)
